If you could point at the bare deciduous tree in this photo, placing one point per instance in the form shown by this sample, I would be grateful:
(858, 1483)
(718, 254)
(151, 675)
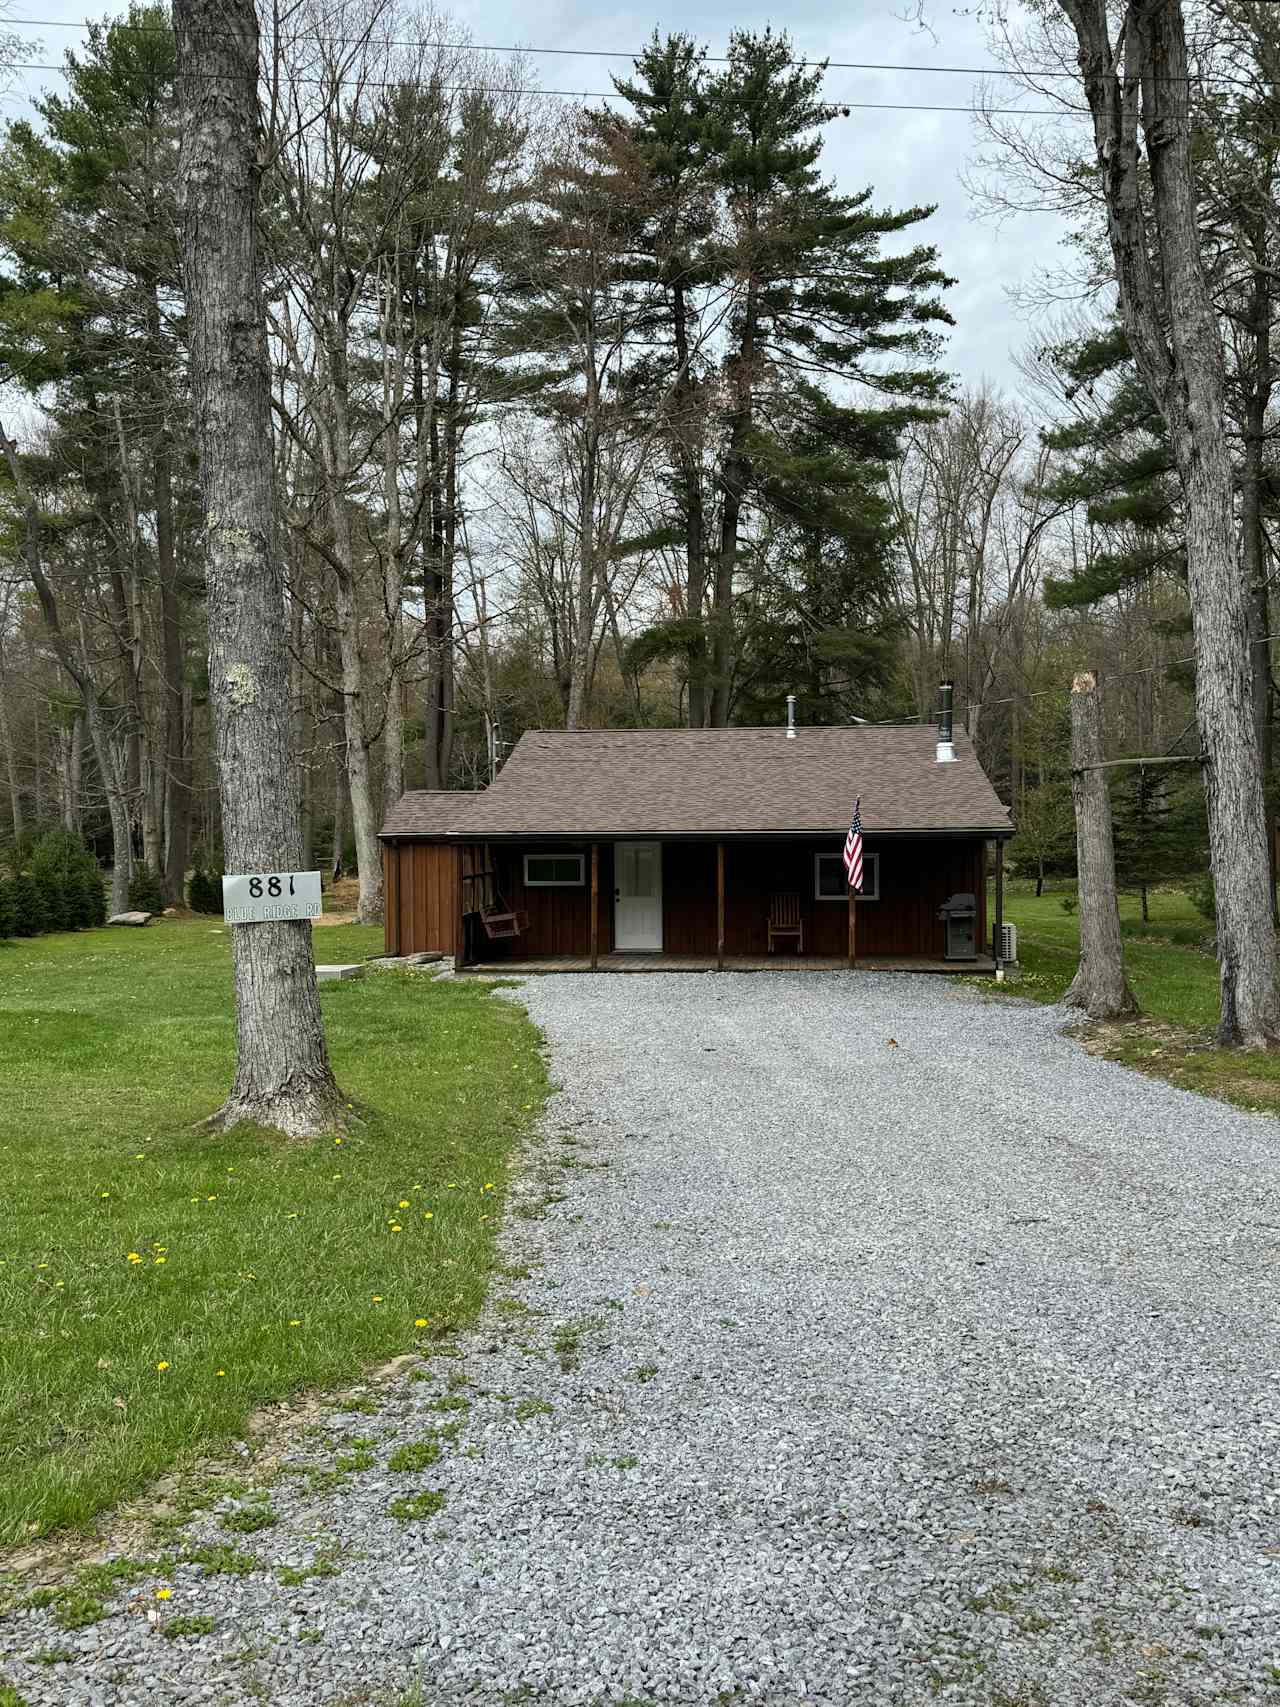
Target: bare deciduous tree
(1099, 986)
(1171, 325)
(283, 1078)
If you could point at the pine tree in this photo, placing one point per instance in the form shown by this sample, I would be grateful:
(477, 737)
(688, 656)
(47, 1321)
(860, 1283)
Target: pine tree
(817, 303)
(667, 146)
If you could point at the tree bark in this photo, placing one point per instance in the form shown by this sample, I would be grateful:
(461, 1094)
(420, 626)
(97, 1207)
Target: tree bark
(177, 759)
(70, 771)
(1099, 986)
(283, 1078)
(1171, 324)
(77, 667)
(10, 758)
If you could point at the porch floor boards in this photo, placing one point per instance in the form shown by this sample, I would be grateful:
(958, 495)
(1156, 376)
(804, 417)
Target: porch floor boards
(732, 963)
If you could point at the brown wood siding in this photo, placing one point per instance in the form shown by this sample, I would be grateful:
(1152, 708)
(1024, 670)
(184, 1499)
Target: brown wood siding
(421, 897)
(559, 919)
(915, 879)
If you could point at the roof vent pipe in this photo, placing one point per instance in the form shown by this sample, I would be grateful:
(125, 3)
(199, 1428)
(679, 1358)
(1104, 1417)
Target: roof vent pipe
(791, 717)
(945, 752)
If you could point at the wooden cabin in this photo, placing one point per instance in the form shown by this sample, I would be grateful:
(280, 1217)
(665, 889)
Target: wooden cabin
(639, 849)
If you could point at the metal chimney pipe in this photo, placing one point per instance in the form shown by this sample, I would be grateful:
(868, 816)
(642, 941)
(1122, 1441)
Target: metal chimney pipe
(945, 752)
(791, 717)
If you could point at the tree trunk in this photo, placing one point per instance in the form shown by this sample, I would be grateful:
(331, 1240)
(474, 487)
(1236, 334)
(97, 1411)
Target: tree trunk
(1171, 325)
(10, 762)
(177, 759)
(339, 821)
(78, 668)
(283, 1078)
(1253, 537)
(70, 770)
(113, 769)
(359, 783)
(733, 484)
(688, 461)
(1099, 986)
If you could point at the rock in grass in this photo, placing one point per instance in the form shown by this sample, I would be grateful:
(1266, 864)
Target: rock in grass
(131, 919)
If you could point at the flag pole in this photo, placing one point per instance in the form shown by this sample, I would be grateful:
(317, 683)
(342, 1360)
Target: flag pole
(853, 927)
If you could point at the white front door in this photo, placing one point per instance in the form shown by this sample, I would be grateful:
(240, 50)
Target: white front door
(637, 897)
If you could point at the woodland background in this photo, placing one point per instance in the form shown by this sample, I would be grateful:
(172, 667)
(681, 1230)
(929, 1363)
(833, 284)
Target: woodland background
(601, 417)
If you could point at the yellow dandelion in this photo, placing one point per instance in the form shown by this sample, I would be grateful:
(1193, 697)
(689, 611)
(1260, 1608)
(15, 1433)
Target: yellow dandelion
(403, 1203)
(141, 1156)
(159, 1260)
(134, 1257)
(162, 1365)
(377, 1297)
(337, 1176)
(212, 1198)
(104, 1194)
(164, 1594)
(296, 1322)
(396, 1227)
(42, 1265)
(337, 1140)
(487, 1186)
(420, 1322)
(429, 1215)
(219, 1372)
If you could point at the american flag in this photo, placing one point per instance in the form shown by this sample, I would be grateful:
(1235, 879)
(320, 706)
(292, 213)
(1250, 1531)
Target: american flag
(853, 847)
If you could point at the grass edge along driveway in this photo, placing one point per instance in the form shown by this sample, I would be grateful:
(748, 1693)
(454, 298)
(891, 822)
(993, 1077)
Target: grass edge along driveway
(158, 1283)
(1174, 974)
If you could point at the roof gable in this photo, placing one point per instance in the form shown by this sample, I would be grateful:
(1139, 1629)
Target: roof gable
(607, 783)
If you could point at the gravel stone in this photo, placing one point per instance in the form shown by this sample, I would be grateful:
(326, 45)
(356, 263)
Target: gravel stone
(879, 1375)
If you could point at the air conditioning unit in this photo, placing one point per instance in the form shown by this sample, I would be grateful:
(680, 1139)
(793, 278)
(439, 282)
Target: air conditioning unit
(1009, 944)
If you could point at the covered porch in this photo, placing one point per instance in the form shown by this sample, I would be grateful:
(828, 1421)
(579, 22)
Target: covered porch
(695, 904)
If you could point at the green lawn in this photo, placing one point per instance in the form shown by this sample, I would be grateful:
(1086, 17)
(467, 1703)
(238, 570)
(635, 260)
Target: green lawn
(158, 1283)
(1174, 976)
(1172, 973)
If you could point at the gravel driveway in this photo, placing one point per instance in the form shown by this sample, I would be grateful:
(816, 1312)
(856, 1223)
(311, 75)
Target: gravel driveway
(881, 1347)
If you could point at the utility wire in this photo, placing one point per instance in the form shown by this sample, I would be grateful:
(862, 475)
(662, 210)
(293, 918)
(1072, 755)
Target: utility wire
(606, 52)
(1107, 675)
(595, 94)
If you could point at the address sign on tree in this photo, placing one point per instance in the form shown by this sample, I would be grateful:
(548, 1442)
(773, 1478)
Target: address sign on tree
(251, 898)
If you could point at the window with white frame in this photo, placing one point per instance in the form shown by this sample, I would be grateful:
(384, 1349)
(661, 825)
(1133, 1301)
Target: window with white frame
(554, 870)
(831, 884)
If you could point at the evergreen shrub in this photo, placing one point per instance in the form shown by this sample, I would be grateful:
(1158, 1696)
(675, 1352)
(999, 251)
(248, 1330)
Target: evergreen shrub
(66, 874)
(204, 893)
(30, 915)
(146, 892)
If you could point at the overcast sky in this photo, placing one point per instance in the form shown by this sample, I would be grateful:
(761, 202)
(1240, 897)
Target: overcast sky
(907, 157)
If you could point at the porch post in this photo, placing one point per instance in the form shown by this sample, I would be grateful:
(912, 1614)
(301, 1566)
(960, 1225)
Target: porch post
(595, 903)
(999, 931)
(719, 906)
(460, 916)
(853, 928)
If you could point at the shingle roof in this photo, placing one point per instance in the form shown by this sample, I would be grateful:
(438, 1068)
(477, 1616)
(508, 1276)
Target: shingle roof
(429, 812)
(607, 783)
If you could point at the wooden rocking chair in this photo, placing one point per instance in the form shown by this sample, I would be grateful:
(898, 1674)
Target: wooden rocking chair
(500, 920)
(785, 920)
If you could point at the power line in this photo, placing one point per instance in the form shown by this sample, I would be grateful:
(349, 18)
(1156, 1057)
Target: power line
(596, 53)
(609, 53)
(597, 94)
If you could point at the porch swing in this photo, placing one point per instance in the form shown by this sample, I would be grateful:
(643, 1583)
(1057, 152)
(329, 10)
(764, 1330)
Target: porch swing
(500, 920)
(482, 900)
